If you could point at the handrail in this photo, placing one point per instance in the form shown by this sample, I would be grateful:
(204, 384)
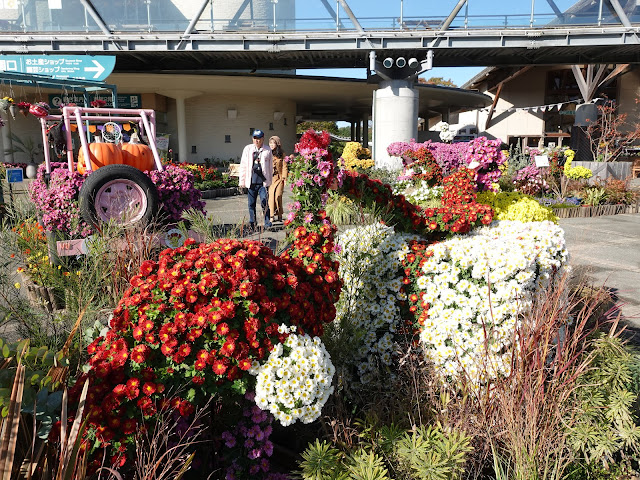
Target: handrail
(327, 24)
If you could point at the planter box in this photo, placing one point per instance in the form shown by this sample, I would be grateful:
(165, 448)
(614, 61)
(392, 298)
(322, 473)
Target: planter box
(600, 210)
(221, 192)
(603, 170)
(43, 297)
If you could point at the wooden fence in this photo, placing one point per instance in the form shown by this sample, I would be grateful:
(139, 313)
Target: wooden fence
(597, 211)
(604, 170)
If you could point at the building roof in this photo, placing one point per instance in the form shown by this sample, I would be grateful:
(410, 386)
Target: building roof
(317, 98)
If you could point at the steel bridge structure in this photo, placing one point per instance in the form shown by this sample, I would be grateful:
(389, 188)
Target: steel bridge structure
(236, 34)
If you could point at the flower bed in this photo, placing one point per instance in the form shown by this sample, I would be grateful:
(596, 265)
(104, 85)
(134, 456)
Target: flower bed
(229, 328)
(477, 286)
(221, 192)
(58, 205)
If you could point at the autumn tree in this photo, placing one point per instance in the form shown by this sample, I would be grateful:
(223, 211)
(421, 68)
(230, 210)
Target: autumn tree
(331, 127)
(611, 133)
(437, 81)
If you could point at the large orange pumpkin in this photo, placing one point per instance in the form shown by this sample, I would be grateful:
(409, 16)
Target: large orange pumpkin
(137, 154)
(100, 154)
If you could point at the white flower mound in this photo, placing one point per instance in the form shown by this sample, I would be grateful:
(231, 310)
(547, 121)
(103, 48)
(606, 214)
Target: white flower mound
(477, 285)
(371, 270)
(295, 382)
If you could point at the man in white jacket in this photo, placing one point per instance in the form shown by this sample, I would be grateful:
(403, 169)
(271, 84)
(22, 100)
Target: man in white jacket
(256, 173)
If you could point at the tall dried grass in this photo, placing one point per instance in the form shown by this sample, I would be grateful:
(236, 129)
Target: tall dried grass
(522, 421)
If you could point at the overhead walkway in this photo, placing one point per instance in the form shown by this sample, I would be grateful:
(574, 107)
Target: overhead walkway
(202, 35)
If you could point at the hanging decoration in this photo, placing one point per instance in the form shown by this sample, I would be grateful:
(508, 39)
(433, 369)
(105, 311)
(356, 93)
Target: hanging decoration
(39, 109)
(111, 132)
(23, 108)
(545, 108)
(5, 103)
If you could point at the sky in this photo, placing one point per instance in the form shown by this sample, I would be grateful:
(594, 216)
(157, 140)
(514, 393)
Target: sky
(458, 75)
(384, 14)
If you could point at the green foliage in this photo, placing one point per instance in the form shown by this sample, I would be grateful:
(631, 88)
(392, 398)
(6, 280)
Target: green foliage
(445, 82)
(39, 395)
(363, 465)
(331, 127)
(605, 396)
(423, 453)
(517, 160)
(320, 461)
(385, 176)
(428, 454)
(593, 196)
(341, 210)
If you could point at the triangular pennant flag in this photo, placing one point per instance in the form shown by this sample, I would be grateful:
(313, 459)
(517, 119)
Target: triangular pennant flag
(543, 108)
(559, 105)
(511, 110)
(535, 109)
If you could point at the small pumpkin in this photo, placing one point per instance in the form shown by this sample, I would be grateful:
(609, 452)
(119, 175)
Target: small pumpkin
(100, 154)
(137, 154)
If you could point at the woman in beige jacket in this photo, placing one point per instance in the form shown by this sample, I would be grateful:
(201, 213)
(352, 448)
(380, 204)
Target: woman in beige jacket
(279, 178)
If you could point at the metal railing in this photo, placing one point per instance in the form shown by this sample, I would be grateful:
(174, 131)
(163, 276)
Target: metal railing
(143, 20)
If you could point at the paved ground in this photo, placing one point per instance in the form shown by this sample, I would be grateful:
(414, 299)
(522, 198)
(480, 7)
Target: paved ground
(607, 250)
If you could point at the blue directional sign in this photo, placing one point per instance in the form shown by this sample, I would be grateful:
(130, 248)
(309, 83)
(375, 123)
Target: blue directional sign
(87, 67)
(14, 175)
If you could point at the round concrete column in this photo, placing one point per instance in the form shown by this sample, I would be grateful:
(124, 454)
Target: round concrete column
(180, 96)
(395, 118)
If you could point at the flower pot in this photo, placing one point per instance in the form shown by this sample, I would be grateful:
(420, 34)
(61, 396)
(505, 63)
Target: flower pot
(38, 111)
(31, 171)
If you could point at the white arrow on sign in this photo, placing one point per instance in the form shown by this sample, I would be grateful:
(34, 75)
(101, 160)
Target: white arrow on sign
(98, 69)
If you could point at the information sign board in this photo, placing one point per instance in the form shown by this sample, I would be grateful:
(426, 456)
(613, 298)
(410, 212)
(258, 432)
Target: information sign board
(15, 175)
(88, 67)
(541, 161)
(124, 100)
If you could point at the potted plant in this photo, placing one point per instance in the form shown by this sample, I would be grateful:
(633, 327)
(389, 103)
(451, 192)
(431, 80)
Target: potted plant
(27, 146)
(5, 103)
(23, 107)
(39, 109)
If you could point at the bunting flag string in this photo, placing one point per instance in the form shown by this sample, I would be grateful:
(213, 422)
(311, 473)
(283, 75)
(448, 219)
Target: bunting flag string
(545, 108)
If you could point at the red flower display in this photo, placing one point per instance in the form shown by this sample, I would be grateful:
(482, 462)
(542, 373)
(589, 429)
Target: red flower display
(202, 314)
(459, 213)
(424, 166)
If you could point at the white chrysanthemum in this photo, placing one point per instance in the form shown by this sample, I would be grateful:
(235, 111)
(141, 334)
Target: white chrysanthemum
(478, 285)
(299, 386)
(371, 257)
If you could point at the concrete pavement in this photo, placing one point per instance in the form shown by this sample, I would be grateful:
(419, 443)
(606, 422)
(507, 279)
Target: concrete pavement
(606, 250)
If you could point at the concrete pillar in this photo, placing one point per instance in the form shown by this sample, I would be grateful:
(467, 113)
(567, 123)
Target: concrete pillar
(395, 118)
(6, 143)
(353, 131)
(365, 130)
(358, 133)
(180, 96)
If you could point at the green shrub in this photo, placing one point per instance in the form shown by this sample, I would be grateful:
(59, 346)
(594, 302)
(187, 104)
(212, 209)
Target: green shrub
(607, 425)
(422, 453)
